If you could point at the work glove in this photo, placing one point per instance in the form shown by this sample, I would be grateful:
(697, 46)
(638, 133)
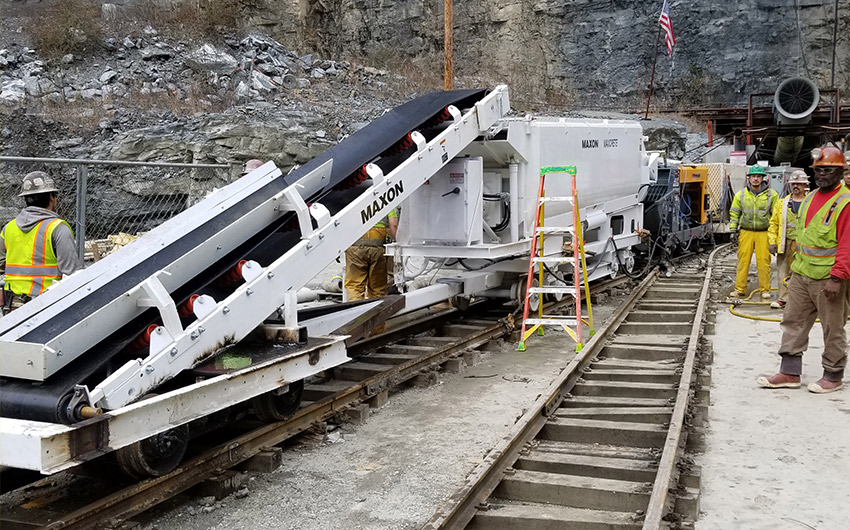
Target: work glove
(733, 237)
(772, 249)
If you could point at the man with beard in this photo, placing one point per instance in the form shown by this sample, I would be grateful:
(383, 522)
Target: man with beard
(818, 285)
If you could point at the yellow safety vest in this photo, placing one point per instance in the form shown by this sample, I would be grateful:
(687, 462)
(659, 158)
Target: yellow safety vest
(30, 259)
(817, 243)
(750, 211)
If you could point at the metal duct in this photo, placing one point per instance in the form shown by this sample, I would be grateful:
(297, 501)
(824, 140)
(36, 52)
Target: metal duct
(793, 104)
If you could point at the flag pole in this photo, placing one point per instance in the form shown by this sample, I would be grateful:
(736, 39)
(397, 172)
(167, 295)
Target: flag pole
(652, 78)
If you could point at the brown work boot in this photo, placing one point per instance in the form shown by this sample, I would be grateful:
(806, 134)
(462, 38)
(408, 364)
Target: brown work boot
(825, 386)
(779, 380)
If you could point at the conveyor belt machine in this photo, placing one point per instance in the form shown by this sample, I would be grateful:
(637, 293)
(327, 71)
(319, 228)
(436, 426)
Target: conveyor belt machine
(141, 319)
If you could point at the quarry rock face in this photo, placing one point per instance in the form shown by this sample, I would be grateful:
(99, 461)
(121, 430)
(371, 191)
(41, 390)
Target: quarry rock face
(334, 65)
(599, 54)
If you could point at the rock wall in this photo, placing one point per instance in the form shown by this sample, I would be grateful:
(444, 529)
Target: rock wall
(594, 53)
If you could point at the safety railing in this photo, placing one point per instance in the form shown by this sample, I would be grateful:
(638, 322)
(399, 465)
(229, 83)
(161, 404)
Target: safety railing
(109, 202)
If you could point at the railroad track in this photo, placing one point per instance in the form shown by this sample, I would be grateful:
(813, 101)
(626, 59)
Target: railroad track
(416, 348)
(606, 446)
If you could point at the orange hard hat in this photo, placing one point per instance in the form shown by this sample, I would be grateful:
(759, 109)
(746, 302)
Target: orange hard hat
(828, 156)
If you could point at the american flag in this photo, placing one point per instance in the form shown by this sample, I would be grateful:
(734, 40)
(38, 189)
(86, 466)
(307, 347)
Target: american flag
(667, 25)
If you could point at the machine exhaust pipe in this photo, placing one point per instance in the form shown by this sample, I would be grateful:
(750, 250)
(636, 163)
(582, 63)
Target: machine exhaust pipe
(793, 104)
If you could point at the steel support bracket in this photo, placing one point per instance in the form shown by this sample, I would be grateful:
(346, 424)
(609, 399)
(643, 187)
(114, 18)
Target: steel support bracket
(159, 298)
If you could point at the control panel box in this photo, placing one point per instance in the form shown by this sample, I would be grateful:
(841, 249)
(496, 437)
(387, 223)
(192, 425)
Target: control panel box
(447, 209)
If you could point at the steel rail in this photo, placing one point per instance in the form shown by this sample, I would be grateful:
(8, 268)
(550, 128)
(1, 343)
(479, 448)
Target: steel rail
(139, 497)
(658, 498)
(142, 496)
(460, 508)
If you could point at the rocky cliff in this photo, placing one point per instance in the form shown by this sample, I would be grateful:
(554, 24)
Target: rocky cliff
(597, 53)
(285, 79)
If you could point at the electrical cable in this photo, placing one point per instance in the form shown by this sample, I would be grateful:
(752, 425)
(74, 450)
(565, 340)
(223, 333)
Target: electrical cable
(800, 38)
(723, 138)
(632, 275)
(489, 262)
(505, 220)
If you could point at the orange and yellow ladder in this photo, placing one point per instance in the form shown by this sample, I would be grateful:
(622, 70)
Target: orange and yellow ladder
(578, 259)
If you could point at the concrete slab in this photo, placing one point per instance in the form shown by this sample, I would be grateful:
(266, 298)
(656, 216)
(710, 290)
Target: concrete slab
(594, 449)
(672, 293)
(643, 352)
(388, 358)
(632, 414)
(357, 371)
(775, 459)
(409, 349)
(603, 401)
(655, 328)
(666, 305)
(625, 389)
(650, 340)
(578, 492)
(645, 376)
(435, 342)
(589, 466)
(615, 432)
(659, 315)
(543, 517)
(461, 330)
(611, 363)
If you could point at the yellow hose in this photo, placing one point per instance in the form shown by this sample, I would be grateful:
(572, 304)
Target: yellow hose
(753, 317)
(746, 301)
(756, 317)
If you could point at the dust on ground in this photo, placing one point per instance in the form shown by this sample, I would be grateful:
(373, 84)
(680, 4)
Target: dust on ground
(775, 459)
(394, 471)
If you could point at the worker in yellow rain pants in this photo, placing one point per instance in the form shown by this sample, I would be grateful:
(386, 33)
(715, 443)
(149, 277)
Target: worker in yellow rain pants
(749, 221)
(366, 265)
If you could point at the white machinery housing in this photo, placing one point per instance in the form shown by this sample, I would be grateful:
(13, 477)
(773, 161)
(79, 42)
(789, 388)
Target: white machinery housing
(476, 214)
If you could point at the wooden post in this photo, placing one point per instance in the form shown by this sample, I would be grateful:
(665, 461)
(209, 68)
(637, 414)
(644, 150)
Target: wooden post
(447, 44)
(652, 78)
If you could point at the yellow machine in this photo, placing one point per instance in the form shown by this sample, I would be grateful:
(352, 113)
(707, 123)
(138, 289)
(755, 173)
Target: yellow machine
(693, 181)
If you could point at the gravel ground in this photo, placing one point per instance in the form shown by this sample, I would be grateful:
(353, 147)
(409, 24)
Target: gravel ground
(774, 459)
(394, 471)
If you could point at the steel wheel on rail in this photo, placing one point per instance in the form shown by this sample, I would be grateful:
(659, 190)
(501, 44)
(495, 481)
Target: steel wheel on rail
(554, 281)
(626, 259)
(276, 406)
(155, 456)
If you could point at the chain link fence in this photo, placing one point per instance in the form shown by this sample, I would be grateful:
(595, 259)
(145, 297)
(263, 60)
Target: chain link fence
(110, 202)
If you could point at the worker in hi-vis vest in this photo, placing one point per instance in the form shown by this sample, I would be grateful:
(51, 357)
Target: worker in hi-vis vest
(749, 221)
(819, 279)
(366, 265)
(782, 234)
(37, 247)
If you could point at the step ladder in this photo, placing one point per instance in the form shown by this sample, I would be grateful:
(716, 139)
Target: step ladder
(578, 260)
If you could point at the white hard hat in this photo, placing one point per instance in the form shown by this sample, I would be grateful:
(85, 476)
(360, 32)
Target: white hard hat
(798, 177)
(251, 165)
(37, 182)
